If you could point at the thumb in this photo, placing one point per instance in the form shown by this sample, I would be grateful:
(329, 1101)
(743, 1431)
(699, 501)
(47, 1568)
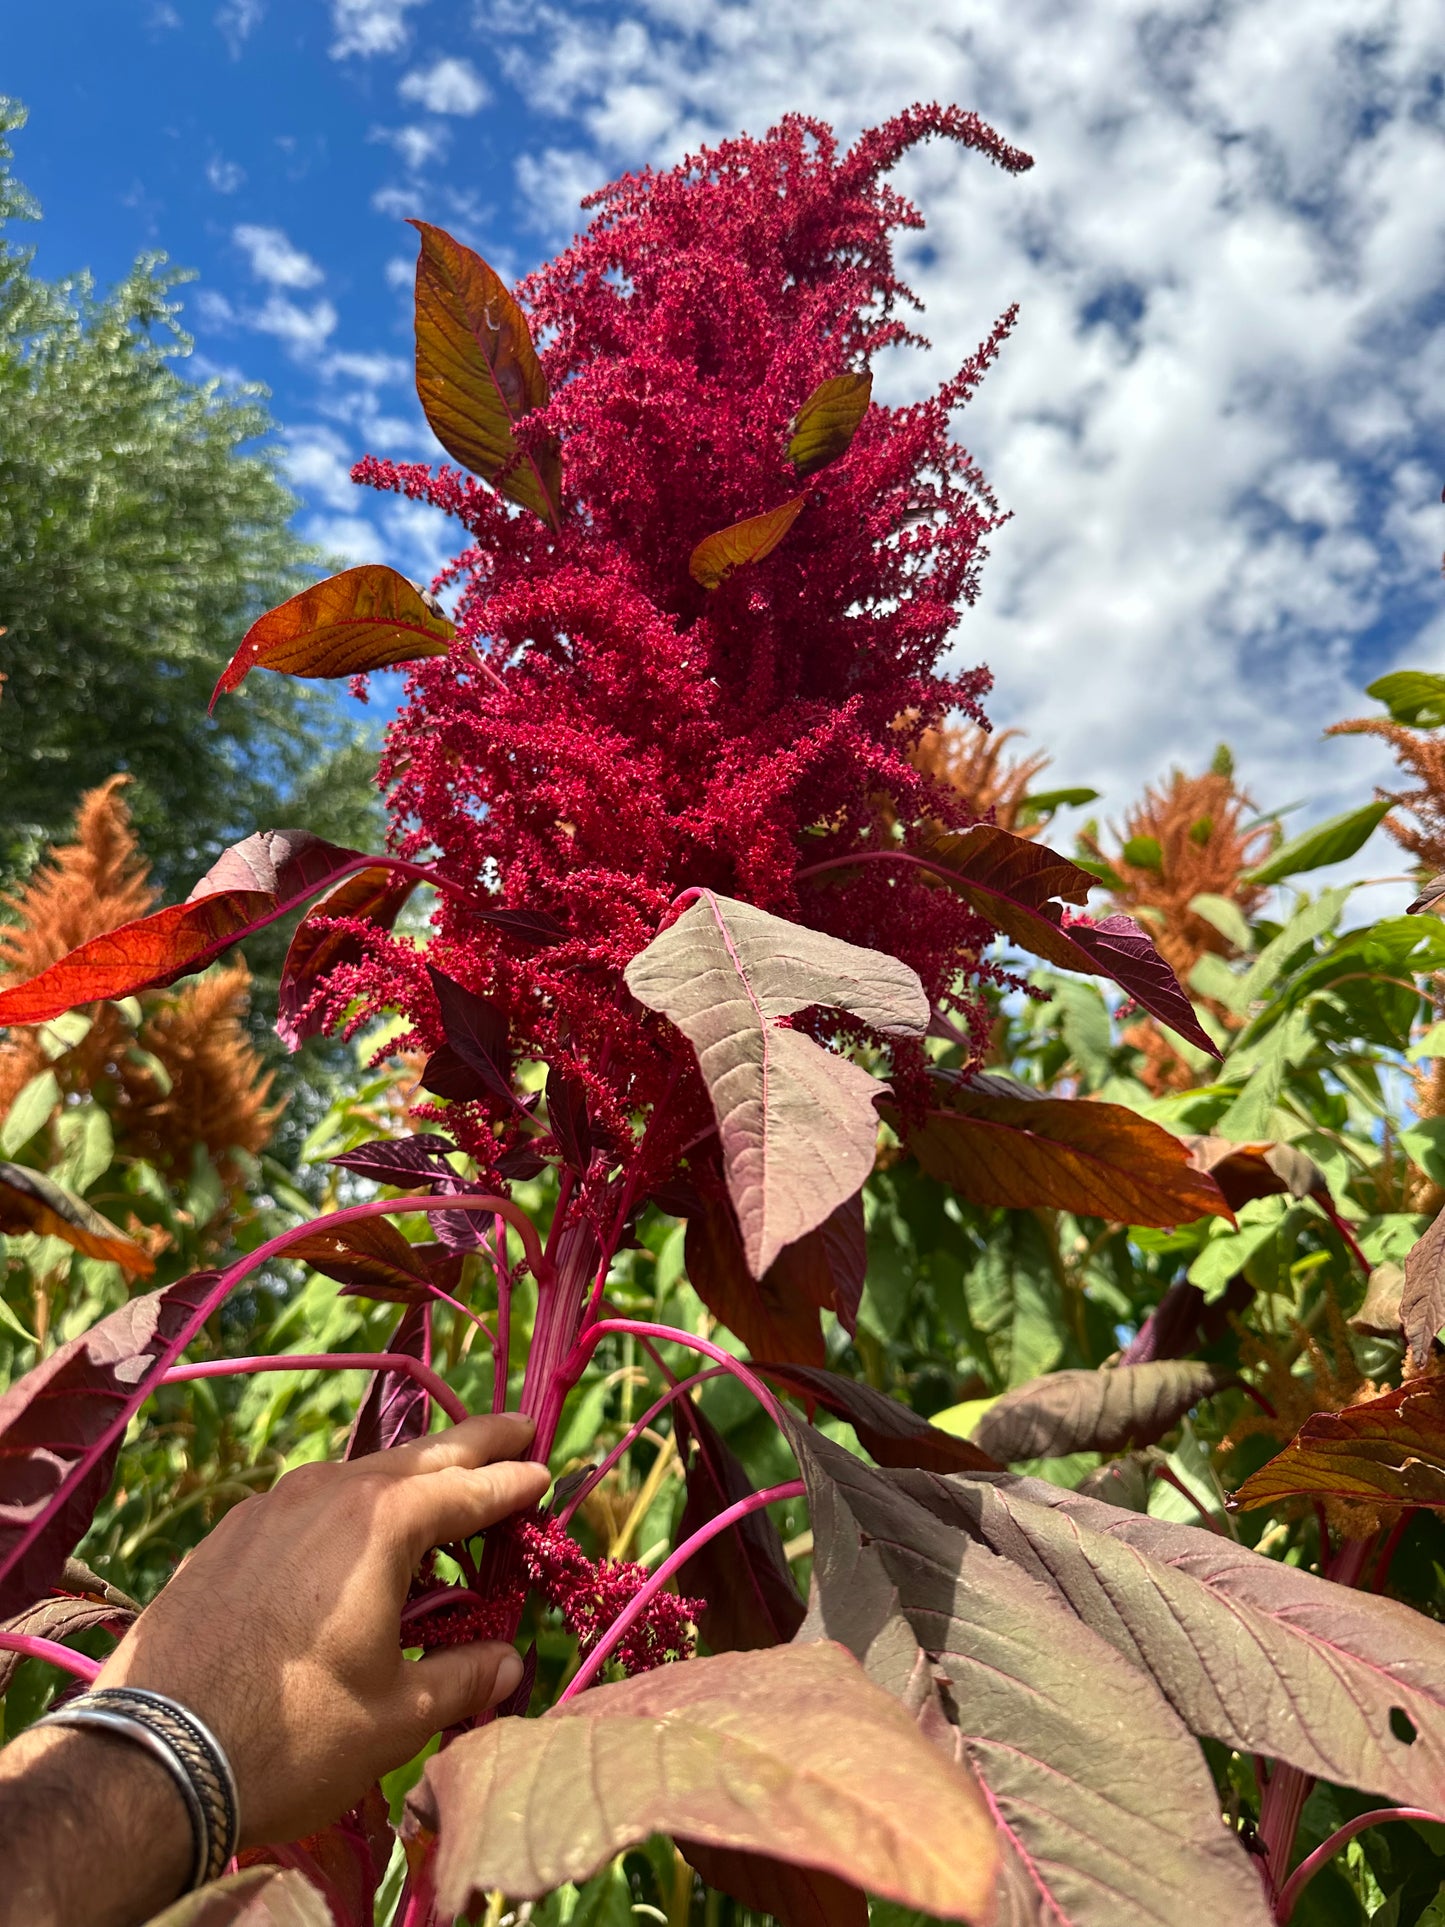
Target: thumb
(456, 1682)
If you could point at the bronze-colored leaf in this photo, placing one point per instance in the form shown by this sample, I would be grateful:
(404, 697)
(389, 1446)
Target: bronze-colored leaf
(887, 1428)
(776, 1316)
(31, 1201)
(372, 1259)
(1102, 1411)
(1422, 1303)
(1385, 1451)
(828, 420)
(61, 1617)
(477, 373)
(374, 896)
(790, 1753)
(1244, 1172)
(365, 618)
(717, 556)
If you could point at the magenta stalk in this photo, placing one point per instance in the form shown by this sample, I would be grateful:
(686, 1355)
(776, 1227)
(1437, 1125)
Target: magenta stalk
(638, 1604)
(629, 1438)
(1327, 1849)
(32, 1646)
(328, 1362)
(671, 1336)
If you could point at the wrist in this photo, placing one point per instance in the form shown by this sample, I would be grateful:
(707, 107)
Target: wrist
(91, 1829)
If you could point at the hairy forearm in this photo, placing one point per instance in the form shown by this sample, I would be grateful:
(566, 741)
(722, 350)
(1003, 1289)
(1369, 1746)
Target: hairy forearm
(91, 1829)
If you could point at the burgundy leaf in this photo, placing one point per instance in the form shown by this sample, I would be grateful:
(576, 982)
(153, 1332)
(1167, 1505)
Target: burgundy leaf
(259, 1897)
(1119, 949)
(527, 926)
(776, 1316)
(374, 896)
(475, 1057)
(742, 1574)
(283, 863)
(514, 1706)
(403, 1163)
(1244, 1172)
(372, 1259)
(61, 1618)
(395, 1409)
(1218, 1628)
(1422, 1303)
(1096, 1785)
(567, 1115)
(351, 1857)
(1380, 1452)
(792, 1896)
(886, 1428)
(62, 1424)
(1103, 1411)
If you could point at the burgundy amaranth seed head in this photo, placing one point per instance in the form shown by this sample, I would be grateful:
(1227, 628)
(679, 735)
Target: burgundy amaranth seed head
(628, 733)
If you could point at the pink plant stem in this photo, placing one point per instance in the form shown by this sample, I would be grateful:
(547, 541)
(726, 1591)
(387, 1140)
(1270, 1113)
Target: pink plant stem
(1327, 1205)
(1170, 1477)
(1390, 1548)
(328, 1362)
(629, 1439)
(32, 1646)
(465, 1310)
(669, 1335)
(502, 1351)
(429, 1601)
(549, 1374)
(637, 1605)
(1326, 1851)
(1279, 1816)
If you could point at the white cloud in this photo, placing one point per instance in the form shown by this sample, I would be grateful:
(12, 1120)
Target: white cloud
(370, 370)
(237, 21)
(225, 176)
(162, 17)
(213, 310)
(417, 146)
(368, 27)
(305, 331)
(448, 86)
(318, 467)
(1218, 422)
(397, 203)
(273, 258)
(400, 272)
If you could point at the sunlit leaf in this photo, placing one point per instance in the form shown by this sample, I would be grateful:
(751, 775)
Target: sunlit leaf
(477, 373)
(790, 1753)
(1100, 1411)
(1329, 842)
(828, 420)
(373, 896)
(31, 1201)
(1068, 1154)
(1013, 881)
(365, 618)
(1244, 1172)
(62, 1618)
(1385, 1451)
(1422, 1303)
(259, 1897)
(1412, 696)
(1103, 1798)
(717, 556)
(371, 1258)
(61, 1426)
(795, 1121)
(252, 884)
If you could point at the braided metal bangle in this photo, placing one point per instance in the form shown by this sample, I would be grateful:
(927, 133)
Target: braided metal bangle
(188, 1750)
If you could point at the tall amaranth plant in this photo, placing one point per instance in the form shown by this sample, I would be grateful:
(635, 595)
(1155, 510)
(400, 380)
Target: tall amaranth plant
(696, 912)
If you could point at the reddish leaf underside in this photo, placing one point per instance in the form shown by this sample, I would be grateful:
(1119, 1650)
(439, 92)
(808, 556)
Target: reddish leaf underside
(258, 1897)
(374, 896)
(1102, 1411)
(351, 1856)
(886, 1428)
(796, 1122)
(1385, 1451)
(828, 420)
(365, 618)
(62, 1617)
(252, 884)
(373, 1260)
(1066, 1154)
(477, 373)
(1422, 1302)
(1104, 1800)
(789, 1753)
(31, 1201)
(792, 1896)
(395, 1409)
(1244, 1172)
(1010, 881)
(742, 1574)
(61, 1427)
(717, 556)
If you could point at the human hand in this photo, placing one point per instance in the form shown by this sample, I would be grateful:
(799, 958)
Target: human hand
(281, 1630)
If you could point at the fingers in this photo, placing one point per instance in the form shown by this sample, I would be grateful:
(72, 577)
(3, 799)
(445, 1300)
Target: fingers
(460, 1501)
(456, 1682)
(476, 1441)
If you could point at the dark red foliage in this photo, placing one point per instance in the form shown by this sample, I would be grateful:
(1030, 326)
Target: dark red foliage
(606, 732)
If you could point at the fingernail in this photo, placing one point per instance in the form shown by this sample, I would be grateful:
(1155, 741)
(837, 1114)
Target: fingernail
(509, 1675)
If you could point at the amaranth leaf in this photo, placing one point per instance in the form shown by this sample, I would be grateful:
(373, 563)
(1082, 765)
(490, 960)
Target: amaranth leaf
(1385, 1451)
(828, 420)
(32, 1201)
(1101, 1411)
(717, 556)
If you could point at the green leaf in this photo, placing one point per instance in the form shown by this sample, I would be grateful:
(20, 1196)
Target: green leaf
(1412, 696)
(1144, 853)
(1432, 1044)
(1329, 842)
(1045, 802)
(1228, 1252)
(1424, 1144)
(1226, 916)
(1250, 1115)
(86, 1145)
(11, 1321)
(32, 1107)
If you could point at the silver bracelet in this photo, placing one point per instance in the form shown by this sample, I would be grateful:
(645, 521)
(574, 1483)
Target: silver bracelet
(185, 1747)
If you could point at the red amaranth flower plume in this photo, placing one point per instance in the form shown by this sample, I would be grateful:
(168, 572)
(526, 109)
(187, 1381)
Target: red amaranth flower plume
(606, 732)
(590, 1594)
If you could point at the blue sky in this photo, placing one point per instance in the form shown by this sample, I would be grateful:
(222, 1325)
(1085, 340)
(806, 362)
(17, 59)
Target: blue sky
(1220, 426)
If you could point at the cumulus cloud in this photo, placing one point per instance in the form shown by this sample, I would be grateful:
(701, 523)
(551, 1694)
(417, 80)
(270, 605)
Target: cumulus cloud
(1218, 422)
(225, 176)
(447, 86)
(273, 258)
(303, 331)
(370, 27)
(416, 146)
(237, 21)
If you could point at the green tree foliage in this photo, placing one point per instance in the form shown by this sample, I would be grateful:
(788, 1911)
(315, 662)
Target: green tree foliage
(143, 525)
